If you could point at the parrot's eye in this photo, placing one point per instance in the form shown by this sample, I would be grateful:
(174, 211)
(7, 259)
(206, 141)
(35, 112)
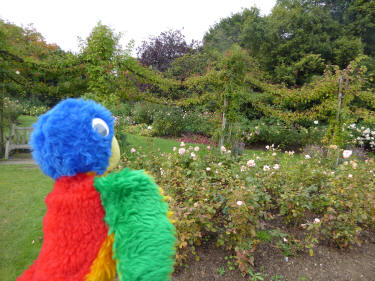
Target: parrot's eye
(100, 126)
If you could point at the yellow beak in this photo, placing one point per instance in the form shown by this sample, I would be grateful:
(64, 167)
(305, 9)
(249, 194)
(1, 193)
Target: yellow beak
(115, 157)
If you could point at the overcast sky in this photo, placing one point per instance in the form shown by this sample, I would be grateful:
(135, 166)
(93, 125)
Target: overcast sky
(62, 22)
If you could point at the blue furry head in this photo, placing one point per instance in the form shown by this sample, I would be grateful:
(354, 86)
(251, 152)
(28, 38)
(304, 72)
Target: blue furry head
(66, 141)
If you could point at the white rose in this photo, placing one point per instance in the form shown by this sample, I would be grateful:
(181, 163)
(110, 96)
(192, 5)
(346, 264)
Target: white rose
(266, 168)
(347, 153)
(316, 220)
(250, 163)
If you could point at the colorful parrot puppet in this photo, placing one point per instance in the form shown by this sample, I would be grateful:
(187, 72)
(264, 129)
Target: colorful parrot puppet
(97, 223)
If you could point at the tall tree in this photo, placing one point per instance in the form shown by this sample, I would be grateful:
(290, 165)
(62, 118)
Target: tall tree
(295, 41)
(159, 52)
(100, 53)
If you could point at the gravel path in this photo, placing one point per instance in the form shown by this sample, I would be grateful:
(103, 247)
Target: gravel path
(19, 159)
(18, 162)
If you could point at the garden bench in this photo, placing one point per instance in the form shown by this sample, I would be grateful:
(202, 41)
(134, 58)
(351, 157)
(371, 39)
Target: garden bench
(18, 139)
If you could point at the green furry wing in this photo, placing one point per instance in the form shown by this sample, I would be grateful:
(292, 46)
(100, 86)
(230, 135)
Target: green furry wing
(144, 238)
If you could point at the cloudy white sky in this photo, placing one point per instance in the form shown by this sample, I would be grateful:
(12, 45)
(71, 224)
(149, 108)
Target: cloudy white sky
(62, 22)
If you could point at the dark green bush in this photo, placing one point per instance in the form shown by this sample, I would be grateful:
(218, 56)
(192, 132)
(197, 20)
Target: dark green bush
(143, 112)
(12, 109)
(123, 109)
(199, 123)
(169, 122)
(274, 131)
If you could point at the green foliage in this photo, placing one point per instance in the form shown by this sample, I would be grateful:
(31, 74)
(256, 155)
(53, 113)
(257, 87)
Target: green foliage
(99, 52)
(202, 123)
(31, 68)
(277, 278)
(226, 82)
(217, 195)
(307, 67)
(255, 276)
(139, 130)
(360, 135)
(221, 270)
(122, 109)
(336, 31)
(112, 101)
(169, 122)
(33, 107)
(144, 112)
(12, 110)
(346, 49)
(275, 131)
(194, 63)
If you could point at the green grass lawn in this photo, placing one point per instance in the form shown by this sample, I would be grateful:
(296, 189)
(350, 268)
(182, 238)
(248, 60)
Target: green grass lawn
(22, 192)
(149, 144)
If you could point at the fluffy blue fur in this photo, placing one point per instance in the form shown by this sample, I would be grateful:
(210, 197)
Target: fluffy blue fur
(64, 142)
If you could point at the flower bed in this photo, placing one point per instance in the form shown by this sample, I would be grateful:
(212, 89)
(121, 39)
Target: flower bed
(230, 199)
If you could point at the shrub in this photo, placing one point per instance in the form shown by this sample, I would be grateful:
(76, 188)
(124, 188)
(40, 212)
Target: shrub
(361, 135)
(110, 101)
(144, 112)
(35, 110)
(139, 129)
(122, 109)
(274, 131)
(230, 199)
(169, 122)
(12, 109)
(202, 123)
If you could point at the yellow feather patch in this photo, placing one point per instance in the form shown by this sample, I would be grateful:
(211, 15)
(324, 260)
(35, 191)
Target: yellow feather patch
(165, 199)
(103, 267)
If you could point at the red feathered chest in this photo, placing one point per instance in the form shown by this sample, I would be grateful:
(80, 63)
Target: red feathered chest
(74, 231)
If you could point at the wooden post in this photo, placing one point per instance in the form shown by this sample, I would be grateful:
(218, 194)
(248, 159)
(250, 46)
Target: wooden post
(223, 124)
(2, 118)
(340, 95)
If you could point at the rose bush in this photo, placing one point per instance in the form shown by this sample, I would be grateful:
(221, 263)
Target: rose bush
(236, 200)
